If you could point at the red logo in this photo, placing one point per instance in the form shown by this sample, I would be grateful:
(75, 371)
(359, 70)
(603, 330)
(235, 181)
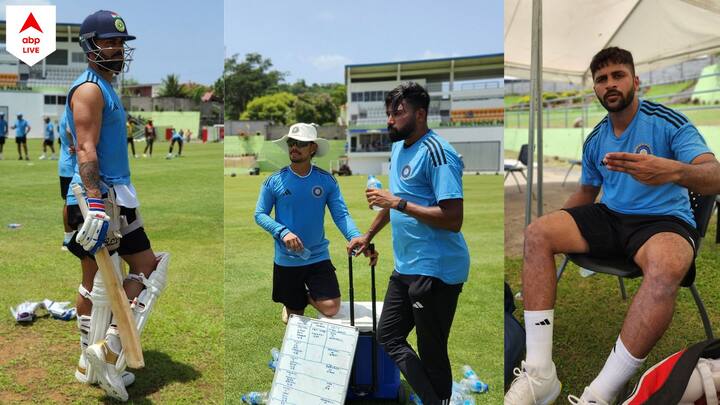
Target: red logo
(31, 22)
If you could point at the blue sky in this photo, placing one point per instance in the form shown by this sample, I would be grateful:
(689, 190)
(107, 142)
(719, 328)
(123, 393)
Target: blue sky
(185, 38)
(313, 40)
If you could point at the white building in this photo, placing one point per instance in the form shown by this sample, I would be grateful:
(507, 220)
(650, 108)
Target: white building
(466, 108)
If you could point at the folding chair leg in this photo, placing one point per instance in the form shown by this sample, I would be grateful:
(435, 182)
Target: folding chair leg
(561, 269)
(517, 183)
(567, 174)
(703, 313)
(623, 293)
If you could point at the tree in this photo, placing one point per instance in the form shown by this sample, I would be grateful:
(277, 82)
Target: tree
(246, 80)
(315, 107)
(171, 87)
(195, 91)
(276, 107)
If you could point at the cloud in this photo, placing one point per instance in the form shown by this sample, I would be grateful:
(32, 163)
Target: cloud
(330, 62)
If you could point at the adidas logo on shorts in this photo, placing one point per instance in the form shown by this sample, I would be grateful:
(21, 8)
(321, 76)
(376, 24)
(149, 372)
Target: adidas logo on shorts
(418, 305)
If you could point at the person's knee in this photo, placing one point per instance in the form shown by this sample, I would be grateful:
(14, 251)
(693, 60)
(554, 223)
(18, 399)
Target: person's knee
(329, 307)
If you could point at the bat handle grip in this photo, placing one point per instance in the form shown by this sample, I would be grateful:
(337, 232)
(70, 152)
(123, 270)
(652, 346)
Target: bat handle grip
(77, 190)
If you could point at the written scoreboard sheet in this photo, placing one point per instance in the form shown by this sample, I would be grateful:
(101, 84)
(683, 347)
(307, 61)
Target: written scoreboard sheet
(315, 363)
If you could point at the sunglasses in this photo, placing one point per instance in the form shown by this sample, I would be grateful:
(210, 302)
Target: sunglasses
(300, 144)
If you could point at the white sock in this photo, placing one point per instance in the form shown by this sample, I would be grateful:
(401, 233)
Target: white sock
(538, 339)
(619, 368)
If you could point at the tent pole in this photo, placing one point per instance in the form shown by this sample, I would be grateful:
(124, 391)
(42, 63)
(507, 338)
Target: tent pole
(539, 92)
(534, 65)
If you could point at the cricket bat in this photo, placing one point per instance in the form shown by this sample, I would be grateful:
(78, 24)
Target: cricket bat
(122, 314)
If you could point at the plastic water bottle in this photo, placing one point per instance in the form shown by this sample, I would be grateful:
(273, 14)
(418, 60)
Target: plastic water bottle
(275, 353)
(471, 380)
(474, 385)
(459, 388)
(415, 399)
(14, 226)
(373, 182)
(305, 254)
(255, 398)
(458, 398)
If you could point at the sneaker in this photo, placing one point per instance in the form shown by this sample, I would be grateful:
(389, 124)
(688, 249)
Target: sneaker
(20, 158)
(532, 389)
(588, 398)
(102, 359)
(42, 157)
(135, 156)
(144, 155)
(81, 375)
(169, 156)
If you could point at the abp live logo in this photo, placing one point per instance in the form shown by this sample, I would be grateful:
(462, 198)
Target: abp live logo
(30, 32)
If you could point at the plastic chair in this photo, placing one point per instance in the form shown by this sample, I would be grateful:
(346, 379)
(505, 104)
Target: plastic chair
(518, 167)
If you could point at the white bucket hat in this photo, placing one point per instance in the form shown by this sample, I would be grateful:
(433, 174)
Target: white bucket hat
(305, 133)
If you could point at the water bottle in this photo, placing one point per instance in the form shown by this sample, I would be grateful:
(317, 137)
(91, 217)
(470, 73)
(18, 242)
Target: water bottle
(474, 385)
(459, 388)
(14, 226)
(255, 398)
(415, 399)
(373, 182)
(468, 372)
(305, 254)
(275, 353)
(471, 380)
(461, 399)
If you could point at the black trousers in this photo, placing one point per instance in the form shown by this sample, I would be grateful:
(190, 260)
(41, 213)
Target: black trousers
(428, 305)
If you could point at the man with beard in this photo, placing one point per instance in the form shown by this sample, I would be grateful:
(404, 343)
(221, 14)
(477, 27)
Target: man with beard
(303, 273)
(425, 206)
(96, 119)
(645, 157)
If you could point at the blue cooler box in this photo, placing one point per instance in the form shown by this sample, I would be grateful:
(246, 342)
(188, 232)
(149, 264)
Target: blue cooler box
(387, 376)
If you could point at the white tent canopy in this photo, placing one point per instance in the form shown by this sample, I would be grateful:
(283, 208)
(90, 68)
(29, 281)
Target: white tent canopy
(657, 32)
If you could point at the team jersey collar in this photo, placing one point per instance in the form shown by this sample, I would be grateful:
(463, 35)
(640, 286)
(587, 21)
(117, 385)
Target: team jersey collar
(629, 128)
(302, 177)
(419, 141)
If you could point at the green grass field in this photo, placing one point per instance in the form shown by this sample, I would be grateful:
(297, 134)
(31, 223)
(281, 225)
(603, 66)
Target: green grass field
(590, 311)
(183, 342)
(252, 320)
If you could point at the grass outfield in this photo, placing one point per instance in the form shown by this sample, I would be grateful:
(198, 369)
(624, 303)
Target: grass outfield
(590, 311)
(183, 342)
(252, 320)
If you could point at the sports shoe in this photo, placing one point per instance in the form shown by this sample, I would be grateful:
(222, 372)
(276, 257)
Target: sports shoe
(144, 155)
(169, 156)
(81, 375)
(532, 389)
(588, 398)
(102, 359)
(42, 157)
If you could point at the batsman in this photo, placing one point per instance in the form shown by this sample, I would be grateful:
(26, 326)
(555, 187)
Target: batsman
(96, 118)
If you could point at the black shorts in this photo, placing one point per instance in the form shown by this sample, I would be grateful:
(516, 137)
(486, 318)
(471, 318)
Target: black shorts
(130, 140)
(20, 139)
(2, 140)
(47, 142)
(64, 187)
(612, 234)
(291, 285)
(134, 242)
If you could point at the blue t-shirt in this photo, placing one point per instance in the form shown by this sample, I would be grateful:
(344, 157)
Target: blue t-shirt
(655, 130)
(176, 136)
(20, 128)
(114, 166)
(300, 208)
(425, 173)
(3, 128)
(49, 132)
(67, 161)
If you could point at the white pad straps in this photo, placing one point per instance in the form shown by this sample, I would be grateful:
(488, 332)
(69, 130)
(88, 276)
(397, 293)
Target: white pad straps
(84, 292)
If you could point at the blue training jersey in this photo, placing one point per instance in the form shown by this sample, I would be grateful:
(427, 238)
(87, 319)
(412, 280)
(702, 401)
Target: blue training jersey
(67, 161)
(425, 173)
(20, 128)
(299, 204)
(3, 128)
(111, 148)
(655, 130)
(49, 132)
